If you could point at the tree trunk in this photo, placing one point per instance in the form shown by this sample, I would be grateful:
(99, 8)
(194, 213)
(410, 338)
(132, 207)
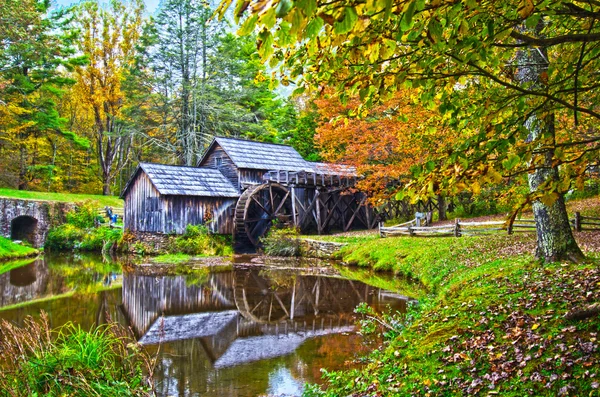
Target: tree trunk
(441, 207)
(555, 239)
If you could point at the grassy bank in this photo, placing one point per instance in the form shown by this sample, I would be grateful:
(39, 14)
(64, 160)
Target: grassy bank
(495, 321)
(10, 250)
(68, 361)
(111, 201)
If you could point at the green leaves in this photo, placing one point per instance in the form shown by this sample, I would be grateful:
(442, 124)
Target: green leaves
(283, 8)
(407, 18)
(313, 28)
(349, 19)
(511, 162)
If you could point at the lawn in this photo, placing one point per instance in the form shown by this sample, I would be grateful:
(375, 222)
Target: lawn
(111, 201)
(495, 321)
(10, 250)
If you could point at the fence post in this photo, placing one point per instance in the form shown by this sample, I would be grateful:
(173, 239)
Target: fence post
(509, 229)
(457, 227)
(410, 231)
(380, 234)
(577, 221)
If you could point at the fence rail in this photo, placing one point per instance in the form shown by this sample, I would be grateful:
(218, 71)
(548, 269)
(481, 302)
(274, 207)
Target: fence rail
(460, 228)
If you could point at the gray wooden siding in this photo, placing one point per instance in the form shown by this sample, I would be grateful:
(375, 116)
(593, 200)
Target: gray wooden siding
(227, 167)
(142, 196)
(216, 213)
(248, 176)
(147, 211)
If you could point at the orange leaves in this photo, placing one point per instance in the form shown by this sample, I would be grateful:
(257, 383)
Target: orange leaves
(384, 143)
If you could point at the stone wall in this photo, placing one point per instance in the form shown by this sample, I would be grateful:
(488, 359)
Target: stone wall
(319, 249)
(149, 243)
(30, 220)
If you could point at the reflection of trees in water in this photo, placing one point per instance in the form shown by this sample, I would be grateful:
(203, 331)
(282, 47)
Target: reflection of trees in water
(55, 275)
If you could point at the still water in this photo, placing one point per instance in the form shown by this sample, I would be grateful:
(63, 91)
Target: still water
(237, 329)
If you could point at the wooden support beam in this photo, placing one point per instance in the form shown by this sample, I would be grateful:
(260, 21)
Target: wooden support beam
(308, 210)
(349, 224)
(331, 211)
(318, 213)
(294, 218)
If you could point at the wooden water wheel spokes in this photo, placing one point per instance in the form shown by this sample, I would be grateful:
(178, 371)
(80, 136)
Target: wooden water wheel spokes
(259, 300)
(262, 206)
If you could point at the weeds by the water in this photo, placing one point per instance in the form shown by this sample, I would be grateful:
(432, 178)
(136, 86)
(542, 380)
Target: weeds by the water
(71, 362)
(282, 242)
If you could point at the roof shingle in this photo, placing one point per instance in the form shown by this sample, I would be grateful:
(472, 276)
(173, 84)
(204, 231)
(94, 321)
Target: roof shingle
(263, 156)
(189, 181)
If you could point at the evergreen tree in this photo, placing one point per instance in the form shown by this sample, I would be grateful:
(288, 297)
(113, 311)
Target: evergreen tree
(36, 47)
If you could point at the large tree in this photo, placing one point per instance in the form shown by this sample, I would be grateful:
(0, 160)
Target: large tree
(514, 79)
(35, 50)
(109, 36)
(184, 41)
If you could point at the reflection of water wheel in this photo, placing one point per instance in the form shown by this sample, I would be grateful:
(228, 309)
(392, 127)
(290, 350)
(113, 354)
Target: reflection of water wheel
(259, 300)
(258, 207)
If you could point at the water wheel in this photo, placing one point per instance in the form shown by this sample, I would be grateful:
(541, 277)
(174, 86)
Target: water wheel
(258, 208)
(259, 299)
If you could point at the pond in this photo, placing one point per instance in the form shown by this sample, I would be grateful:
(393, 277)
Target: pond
(236, 329)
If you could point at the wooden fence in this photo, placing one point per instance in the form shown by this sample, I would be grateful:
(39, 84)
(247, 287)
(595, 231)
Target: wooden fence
(118, 211)
(461, 228)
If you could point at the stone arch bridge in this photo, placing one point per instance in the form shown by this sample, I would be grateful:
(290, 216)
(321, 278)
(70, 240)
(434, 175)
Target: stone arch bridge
(30, 220)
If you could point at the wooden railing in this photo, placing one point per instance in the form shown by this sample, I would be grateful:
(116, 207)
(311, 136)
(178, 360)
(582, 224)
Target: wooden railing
(461, 228)
(118, 211)
(583, 223)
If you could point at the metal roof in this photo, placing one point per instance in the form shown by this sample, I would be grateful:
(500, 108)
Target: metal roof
(262, 155)
(187, 181)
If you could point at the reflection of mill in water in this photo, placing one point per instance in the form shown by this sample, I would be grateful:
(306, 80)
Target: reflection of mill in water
(246, 315)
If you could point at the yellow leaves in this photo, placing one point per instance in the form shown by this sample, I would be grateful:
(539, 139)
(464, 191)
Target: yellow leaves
(372, 51)
(549, 198)
(535, 326)
(526, 8)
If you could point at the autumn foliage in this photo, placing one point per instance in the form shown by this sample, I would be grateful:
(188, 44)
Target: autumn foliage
(383, 143)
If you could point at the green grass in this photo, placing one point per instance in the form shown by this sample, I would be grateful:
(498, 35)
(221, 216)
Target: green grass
(10, 250)
(111, 201)
(8, 266)
(93, 289)
(493, 321)
(69, 361)
(172, 259)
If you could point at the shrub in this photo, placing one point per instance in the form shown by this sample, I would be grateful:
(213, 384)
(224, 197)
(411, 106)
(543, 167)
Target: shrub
(197, 240)
(71, 362)
(84, 215)
(70, 237)
(63, 237)
(282, 242)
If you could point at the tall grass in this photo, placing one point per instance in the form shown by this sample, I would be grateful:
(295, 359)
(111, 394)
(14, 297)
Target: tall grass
(69, 361)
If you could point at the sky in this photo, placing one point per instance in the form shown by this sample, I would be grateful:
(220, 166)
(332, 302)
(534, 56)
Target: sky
(151, 5)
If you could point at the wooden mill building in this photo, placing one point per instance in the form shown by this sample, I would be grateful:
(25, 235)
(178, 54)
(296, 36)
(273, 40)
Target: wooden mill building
(242, 187)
